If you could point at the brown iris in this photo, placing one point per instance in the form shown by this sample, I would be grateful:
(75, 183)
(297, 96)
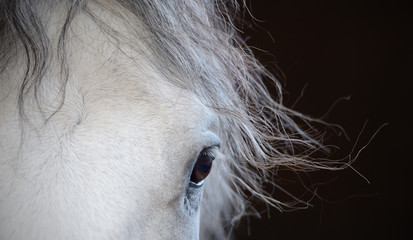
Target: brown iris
(202, 166)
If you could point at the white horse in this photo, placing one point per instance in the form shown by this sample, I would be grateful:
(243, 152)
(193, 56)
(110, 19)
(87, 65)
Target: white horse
(113, 113)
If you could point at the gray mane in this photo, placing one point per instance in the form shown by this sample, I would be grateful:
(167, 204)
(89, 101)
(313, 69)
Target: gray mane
(198, 44)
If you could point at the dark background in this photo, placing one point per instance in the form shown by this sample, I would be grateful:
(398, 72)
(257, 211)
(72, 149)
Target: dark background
(335, 49)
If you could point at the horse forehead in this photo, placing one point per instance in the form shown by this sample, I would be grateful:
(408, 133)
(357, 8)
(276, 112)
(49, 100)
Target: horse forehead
(176, 110)
(184, 108)
(135, 79)
(152, 100)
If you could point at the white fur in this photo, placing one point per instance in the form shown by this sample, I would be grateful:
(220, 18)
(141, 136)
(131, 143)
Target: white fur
(114, 161)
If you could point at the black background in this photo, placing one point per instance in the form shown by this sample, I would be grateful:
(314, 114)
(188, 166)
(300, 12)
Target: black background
(334, 49)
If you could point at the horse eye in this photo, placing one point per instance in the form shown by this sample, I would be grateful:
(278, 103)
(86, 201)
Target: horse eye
(202, 167)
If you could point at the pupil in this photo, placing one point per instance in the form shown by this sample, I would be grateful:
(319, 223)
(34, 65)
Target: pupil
(204, 168)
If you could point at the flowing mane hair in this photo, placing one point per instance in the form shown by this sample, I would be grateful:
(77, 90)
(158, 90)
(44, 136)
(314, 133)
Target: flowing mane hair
(197, 45)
